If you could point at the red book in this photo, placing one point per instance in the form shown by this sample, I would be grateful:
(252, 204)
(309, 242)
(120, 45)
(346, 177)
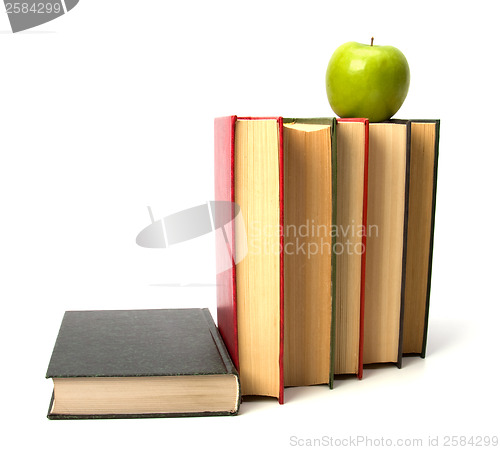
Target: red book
(352, 140)
(249, 175)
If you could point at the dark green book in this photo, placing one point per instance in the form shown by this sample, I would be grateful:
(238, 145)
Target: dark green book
(141, 363)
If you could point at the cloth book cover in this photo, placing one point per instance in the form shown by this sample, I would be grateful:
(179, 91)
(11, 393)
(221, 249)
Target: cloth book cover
(142, 345)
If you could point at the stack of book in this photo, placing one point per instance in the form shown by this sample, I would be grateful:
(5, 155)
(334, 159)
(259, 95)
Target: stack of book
(323, 265)
(332, 263)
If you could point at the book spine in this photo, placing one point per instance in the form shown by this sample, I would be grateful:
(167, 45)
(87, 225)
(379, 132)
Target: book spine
(233, 241)
(224, 354)
(224, 136)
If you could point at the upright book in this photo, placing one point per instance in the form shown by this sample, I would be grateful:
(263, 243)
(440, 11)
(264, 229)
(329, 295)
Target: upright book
(420, 234)
(249, 175)
(401, 209)
(141, 363)
(352, 137)
(309, 264)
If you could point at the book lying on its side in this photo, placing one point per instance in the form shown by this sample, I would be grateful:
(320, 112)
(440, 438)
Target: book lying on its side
(141, 363)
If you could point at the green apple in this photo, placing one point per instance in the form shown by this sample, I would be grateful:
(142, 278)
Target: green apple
(369, 81)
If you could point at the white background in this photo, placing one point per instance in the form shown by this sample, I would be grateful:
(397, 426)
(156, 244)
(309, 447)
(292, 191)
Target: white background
(110, 109)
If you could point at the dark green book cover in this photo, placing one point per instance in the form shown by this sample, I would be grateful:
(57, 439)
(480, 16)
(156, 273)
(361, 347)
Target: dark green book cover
(140, 343)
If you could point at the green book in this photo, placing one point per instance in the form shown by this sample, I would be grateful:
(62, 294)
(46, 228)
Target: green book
(141, 363)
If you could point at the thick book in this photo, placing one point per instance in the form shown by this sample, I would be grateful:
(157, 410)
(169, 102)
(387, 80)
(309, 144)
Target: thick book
(420, 234)
(401, 207)
(249, 176)
(141, 363)
(352, 138)
(310, 167)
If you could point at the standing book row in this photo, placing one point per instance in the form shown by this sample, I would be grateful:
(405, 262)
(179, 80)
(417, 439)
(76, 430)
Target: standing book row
(331, 263)
(324, 261)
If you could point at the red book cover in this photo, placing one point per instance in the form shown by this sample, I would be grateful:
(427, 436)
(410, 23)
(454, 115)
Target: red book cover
(365, 123)
(227, 290)
(225, 243)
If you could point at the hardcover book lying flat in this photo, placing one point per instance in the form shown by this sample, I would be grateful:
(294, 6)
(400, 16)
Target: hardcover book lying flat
(141, 363)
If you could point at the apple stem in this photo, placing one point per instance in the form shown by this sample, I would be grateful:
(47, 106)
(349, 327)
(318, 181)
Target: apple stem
(372, 43)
